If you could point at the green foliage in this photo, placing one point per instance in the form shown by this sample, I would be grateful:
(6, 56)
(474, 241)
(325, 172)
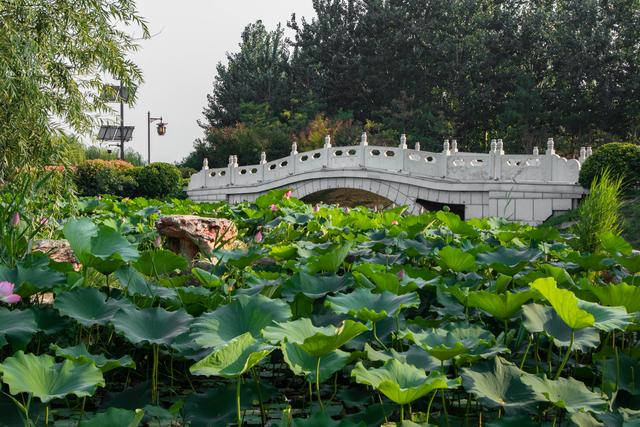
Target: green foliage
(599, 212)
(96, 177)
(621, 160)
(360, 316)
(158, 180)
(49, 78)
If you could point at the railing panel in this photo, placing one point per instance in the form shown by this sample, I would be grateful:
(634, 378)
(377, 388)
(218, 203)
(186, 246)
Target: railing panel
(310, 161)
(521, 168)
(422, 163)
(469, 166)
(247, 175)
(384, 158)
(344, 157)
(278, 169)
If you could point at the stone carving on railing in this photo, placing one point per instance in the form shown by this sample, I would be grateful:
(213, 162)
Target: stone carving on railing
(450, 164)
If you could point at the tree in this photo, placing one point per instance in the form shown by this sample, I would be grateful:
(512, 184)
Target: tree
(258, 73)
(55, 60)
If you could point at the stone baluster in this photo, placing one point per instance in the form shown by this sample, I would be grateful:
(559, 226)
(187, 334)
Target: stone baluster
(327, 146)
(417, 147)
(263, 162)
(235, 161)
(500, 147)
(454, 145)
(589, 152)
(293, 168)
(536, 151)
(583, 154)
(444, 158)
(403, 142)
(230, 170)
(205, 164)
(294, 148)
(445, 148)
(363, 139)
(492, 150)
(363, 150)
(550, 147)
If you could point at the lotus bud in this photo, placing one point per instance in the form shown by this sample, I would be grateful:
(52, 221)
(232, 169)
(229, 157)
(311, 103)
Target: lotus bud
(258, 236)
(157, 242)
(394, 222)
(273, 208)
(15, 219)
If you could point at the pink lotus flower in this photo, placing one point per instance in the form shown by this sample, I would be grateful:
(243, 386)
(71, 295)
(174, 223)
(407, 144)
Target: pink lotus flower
(316, 208)
(394, 222)
(158, 242)
(347, 210)
(273, 208)
(44, 221)
(258, 237)
(288, 194)
(15, 219)
(400, 274)
(6, 293)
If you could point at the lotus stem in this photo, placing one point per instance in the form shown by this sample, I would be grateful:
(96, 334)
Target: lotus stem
(444, 407)
(566, 356)
(386, 420)
(46, 415)
(526, 352)
(154, 374)
(433, 396)
(263, 417)
(238, 402)
(401, 412)
(318, 383)
(375, 336)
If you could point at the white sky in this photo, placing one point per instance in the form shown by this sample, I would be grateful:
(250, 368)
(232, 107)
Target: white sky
(179, 63)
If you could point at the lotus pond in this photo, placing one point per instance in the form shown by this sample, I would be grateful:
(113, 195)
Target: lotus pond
(320, 316)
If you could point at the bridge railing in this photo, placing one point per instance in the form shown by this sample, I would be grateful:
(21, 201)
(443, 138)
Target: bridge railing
(450, 164)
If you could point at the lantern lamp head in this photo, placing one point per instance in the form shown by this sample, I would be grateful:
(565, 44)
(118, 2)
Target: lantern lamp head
(162, 128)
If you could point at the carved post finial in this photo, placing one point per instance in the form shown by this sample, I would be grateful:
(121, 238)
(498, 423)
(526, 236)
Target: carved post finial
(294, 148)
(589, 152)
(235, 161)
(231, 161)
(583, 154)
(417, 147)
(327, 141)
(493, 146)
(363, 139)
(454, 145)
(403, 141)
(536, 151)
(263, 158)
(445, 147)
(205, 164)
(500, 147)
(550, 146)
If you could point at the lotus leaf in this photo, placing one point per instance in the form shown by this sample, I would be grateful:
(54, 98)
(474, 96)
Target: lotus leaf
(159, 262)
(153, 325)
(233, 359)
(456, 259)
(17, 326)
(302, 363)
(568, 394)
(314, 286)
(565, 303)
(88, 306)
(498, 383)
(47, 380)
(367, 306)
(329, 262)
(618, 294)
(115, 417)
(621, 373)
(401, 382)
(245, 314)
(607, 318)
(79, 353)
(508, 261)
(501, 306)
(615, 244)
(539, 318)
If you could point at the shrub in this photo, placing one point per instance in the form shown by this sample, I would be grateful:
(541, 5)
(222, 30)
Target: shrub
(158, 180)
(186, 172)
(599, 212)
(621, 159)
(95, 177)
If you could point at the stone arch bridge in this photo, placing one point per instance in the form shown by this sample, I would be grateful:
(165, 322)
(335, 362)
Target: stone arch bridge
(528, 188)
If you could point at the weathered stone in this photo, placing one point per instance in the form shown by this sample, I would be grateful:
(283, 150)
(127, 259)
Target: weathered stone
(190, 234)
(57, 250)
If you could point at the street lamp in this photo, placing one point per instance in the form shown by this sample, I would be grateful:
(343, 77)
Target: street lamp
(161, 128)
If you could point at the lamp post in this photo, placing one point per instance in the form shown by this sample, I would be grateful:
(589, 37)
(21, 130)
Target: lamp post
(161, 128)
